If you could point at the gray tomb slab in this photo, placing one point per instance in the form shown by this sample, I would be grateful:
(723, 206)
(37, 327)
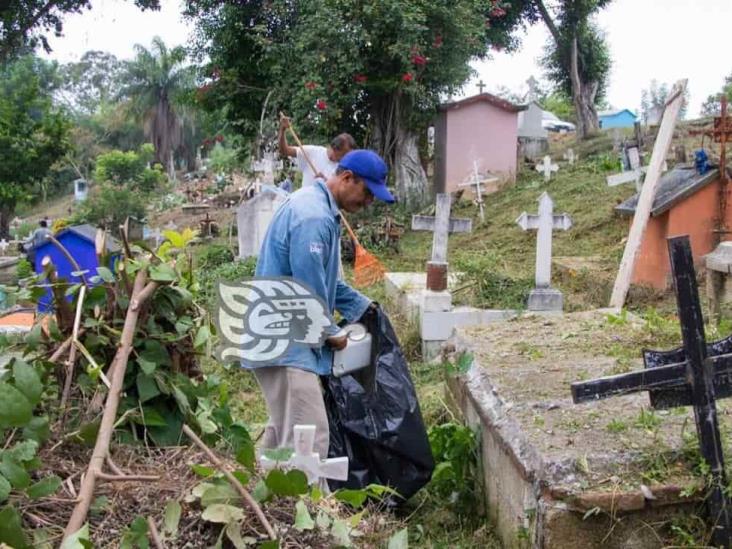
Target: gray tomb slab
(253, 218)
(543, 297)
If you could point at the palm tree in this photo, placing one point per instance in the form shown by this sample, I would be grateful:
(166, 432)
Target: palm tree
(152, 82)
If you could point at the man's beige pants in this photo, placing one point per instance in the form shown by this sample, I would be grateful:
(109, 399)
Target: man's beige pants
(294, 397)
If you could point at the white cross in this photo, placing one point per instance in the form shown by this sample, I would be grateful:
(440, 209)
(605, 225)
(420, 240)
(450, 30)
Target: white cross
(547, 167)
(635, 176)
(441, 224)
(4, 244)
(308, 461)
(570, 157)
(477, 182)
(544, 223)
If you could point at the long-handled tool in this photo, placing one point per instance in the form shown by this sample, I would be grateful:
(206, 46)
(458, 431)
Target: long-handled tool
(367, 269)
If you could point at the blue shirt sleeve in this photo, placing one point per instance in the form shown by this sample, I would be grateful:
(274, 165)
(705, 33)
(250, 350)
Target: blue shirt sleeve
(310, 244)
(351, 303)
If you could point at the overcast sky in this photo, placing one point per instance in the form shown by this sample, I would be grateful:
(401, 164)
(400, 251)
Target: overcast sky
(662, 39)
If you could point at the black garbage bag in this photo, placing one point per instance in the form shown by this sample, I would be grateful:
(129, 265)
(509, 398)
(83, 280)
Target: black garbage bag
(375, 419)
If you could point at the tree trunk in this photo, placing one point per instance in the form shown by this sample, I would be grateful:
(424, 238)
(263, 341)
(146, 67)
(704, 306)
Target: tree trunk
(6, 212)
(399, 146)
(583, 97)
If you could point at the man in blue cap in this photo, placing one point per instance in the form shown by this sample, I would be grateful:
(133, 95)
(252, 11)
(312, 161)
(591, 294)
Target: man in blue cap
(303, 242)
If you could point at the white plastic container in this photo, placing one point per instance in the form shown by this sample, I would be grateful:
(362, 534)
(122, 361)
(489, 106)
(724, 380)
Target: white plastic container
(357, 353)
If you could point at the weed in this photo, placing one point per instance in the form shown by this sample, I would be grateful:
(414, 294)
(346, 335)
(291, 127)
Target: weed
(648, 420)
(528, 350)
(617, 426)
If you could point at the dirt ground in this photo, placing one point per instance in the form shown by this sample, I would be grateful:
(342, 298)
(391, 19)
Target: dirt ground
(531, 363)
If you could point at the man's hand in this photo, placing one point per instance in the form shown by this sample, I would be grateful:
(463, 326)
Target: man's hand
(337, 343)
(284, 122)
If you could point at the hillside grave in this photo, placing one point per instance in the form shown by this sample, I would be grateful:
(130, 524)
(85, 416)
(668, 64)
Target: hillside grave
(543, 297)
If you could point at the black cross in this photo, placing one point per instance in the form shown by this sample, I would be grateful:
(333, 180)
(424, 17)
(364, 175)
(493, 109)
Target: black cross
(694, 374)
(481, 85)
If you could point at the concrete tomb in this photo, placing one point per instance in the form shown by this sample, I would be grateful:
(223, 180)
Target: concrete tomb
(253, 218)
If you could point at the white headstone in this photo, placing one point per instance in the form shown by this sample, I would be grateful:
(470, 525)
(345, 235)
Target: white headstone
(308, 461)
(546, 167)
(530, 122)
(253, 218)
(543, 297)
(81, 190)
(570, 157)
(4, 244)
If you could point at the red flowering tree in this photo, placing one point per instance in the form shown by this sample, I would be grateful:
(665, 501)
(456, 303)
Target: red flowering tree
(375, 69)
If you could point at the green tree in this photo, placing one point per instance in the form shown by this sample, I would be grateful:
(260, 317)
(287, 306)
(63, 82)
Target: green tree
(33, 134)
(153, 82)
(377, 70)
(578, 58)
(89, 83)
(23, 23)
(655, 98)
(712, 106)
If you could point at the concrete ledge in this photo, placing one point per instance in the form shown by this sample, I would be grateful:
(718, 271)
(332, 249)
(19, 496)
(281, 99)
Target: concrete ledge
(554, 485)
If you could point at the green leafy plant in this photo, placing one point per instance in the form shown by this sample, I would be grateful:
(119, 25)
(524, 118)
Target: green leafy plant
(455, 451)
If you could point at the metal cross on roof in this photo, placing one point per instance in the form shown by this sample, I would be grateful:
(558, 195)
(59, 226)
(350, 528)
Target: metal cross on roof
(695, 375)
(481, 85)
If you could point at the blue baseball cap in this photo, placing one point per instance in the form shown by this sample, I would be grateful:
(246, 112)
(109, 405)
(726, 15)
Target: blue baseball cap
(372, 169)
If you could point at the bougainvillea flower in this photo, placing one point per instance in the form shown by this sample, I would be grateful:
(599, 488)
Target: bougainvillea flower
(497, 12)
(219, 138)
(419, 60)
(407, 77)
(311, 85)
(321, 105)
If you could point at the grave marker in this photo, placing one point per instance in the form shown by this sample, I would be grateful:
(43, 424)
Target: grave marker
(547, 167)
(308, 461)
(253, 218)
(695, 374)
(543, 297)
(477, 183)
(4, 245)
(440, 225)
(570, 157)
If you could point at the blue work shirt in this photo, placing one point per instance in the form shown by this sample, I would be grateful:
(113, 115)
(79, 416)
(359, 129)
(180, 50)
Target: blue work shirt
(303, 242)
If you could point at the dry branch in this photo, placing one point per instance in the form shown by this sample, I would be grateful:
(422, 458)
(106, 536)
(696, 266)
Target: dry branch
(106, 428)
(71, 361)
(233, 480)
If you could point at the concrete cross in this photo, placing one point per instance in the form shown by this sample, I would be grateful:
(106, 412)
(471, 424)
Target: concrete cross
(440, 225)
(481, 85)
(4, 244)
(543, 297)
(547, 167)
(308, 461)
(570, 157)
(634, 176)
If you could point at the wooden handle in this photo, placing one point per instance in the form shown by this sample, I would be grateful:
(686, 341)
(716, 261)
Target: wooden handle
(299, 144)
(349, 229)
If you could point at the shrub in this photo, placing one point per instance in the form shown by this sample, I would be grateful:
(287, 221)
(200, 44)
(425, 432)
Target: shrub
(222, 159)
(130, 168)
(109, 206)
(231, 271)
